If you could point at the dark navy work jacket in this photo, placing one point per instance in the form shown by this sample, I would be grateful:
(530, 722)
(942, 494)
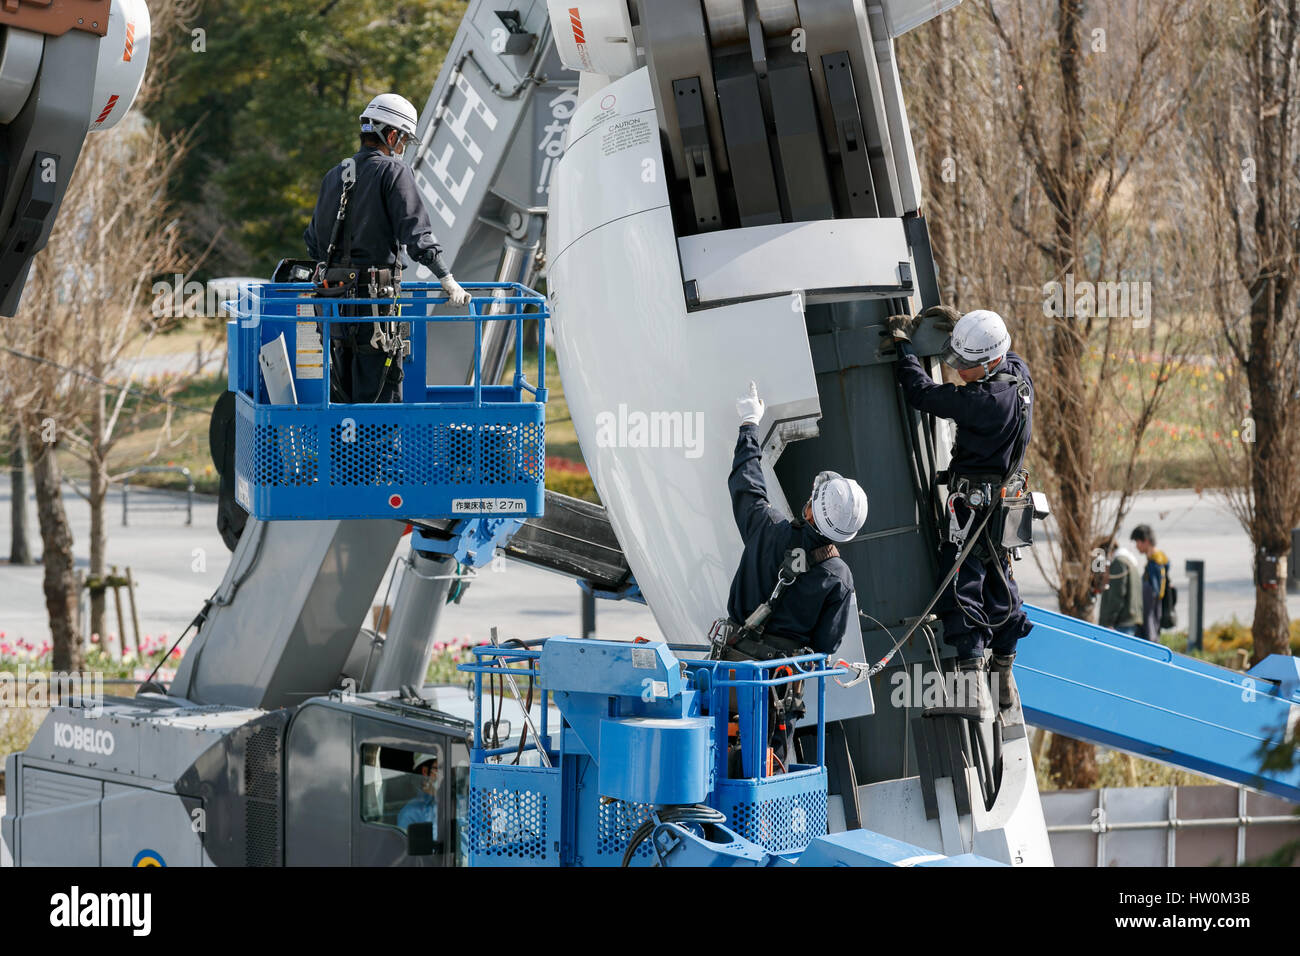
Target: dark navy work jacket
(815, 609)
(385, 211)
(987, 414)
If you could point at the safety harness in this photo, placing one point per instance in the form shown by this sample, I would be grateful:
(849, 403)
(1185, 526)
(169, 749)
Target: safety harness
(1010, 494)
(390, 338)
(979, 492)
(749, 638)
(335, 282)
(749, 641)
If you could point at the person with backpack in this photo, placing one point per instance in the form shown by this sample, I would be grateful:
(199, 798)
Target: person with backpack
(1156, 590)
(1121, 590)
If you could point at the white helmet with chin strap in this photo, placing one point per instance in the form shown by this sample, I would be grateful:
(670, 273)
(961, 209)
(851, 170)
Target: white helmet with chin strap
(839, 506)
(979, 339)
(389, 111)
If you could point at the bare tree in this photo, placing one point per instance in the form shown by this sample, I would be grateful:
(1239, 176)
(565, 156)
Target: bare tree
(20, 549)
(84, 309)
(1249, 140)
(90, 291)
(60, 580)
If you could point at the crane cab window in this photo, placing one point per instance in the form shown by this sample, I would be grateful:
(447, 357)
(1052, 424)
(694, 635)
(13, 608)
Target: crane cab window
(401, 787)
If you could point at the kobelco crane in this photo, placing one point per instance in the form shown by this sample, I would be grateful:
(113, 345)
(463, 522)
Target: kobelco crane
(716, 191)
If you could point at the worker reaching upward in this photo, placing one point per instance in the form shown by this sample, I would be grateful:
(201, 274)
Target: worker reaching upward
(362, 237)
(792, 592)
(813, 611)
(993, 412)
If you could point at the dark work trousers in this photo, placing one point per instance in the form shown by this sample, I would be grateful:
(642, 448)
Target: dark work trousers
(977, 599)
(1150, 628)
(357, 370)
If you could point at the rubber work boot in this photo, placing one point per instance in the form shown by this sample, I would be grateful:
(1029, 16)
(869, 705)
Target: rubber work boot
(1000, 671)
(973, 689)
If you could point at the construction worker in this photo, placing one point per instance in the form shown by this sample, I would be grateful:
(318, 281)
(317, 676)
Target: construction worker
(993, 412)
(813, 611)
(1155, 579)
(384, 212)
(813, 607)
(423, 807)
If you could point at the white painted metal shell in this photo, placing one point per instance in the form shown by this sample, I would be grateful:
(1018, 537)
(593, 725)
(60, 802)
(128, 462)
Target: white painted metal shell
(20, 61)
(594, 36)
(123, 56)
(652, 387)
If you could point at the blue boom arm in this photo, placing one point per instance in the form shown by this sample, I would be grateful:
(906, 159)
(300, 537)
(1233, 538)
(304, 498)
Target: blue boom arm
(1124, 692)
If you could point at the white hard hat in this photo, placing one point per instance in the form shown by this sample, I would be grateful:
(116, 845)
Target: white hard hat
(389, 109)
(839, 506)
(978, 338)
(424, 758)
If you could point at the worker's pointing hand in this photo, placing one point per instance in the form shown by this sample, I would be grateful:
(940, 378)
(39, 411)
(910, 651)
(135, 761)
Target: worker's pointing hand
(750, 407)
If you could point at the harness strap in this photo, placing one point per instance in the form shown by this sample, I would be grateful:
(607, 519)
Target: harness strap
(341, 224)
(1021, 447)
(793, 567)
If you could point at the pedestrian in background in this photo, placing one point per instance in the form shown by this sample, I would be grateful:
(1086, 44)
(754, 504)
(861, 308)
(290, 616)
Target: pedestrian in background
(1121, 599)
(1155, 580)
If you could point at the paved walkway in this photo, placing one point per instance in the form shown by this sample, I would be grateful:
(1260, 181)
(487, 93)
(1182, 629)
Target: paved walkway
(177, 567)
(1187, 526)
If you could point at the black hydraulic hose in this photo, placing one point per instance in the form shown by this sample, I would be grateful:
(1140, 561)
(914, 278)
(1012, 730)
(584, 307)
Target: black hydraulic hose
(198, 621)
(916, 472)
(692, 813)
(528, 704)
(1002, 576)
(880, 665)
(932, 455)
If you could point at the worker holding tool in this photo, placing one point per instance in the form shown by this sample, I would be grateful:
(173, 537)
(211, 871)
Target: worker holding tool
(367, 209)
(792, 591)
(993, 412)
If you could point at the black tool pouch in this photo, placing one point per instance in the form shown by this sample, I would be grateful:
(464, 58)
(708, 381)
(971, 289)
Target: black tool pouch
(1016, 522)
(334, 282)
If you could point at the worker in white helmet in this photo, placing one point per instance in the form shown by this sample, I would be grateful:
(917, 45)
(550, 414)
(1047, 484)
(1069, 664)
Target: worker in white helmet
(993, 411)
(792, 591)
(383, 213)
(813, 611)
(423, 807)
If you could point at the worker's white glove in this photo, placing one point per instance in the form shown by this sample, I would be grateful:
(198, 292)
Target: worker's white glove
(750, 407)
(455, 293)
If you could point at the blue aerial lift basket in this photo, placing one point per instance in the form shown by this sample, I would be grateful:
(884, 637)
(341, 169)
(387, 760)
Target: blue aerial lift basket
(445, 451)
